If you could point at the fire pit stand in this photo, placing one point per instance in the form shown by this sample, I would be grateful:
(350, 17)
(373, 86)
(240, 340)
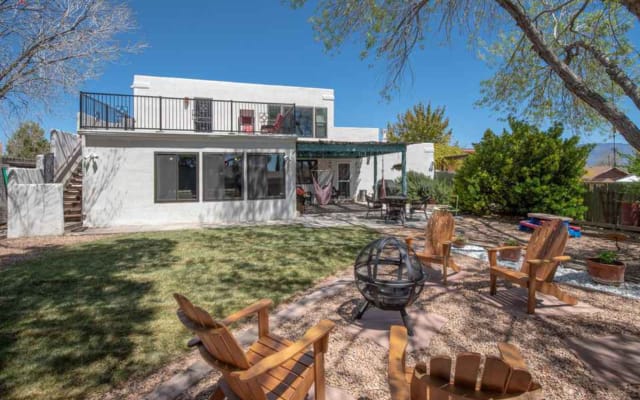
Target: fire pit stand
(389, 276)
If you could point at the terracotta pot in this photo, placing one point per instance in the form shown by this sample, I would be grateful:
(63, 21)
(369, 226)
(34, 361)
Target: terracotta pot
(607, 274)
(509, 254)
(629, 213)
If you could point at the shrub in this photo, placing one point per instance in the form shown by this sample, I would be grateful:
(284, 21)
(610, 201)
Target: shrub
(420, 187)
(525, 170)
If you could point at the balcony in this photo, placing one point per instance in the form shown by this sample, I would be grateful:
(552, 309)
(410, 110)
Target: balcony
(155, 113)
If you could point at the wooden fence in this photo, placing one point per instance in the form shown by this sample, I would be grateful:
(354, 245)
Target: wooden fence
(613, 205)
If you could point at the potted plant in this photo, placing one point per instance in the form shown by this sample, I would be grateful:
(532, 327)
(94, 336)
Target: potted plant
(459, 241)
(510, 254)
(605, 268)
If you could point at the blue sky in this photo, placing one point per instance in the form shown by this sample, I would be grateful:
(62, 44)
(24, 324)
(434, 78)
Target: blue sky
(268, 42)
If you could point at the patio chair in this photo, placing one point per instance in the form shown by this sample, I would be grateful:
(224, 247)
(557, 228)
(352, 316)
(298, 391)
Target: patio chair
(438, 234)
(505, 377)
(419, 205)
(373, 205)
(271, 368)
(275, 128)
(543, 254)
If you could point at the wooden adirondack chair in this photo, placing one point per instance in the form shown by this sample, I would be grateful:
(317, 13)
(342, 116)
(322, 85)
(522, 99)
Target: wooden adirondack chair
(272, 368)
(543, 254)
(502, 378)
(438, 234)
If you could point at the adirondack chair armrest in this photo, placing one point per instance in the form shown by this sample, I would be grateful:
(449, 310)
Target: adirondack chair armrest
(257, 307)
(398, 386)
(314, 335)
(409, 239)
(562, 258)
(500, 248)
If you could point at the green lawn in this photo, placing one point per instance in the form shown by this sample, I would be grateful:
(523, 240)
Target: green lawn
(81, 319)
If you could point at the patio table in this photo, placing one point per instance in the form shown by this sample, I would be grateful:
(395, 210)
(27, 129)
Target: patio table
(396, 208)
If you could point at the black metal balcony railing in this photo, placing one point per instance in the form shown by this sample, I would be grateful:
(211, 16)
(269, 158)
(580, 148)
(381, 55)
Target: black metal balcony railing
(130, 112)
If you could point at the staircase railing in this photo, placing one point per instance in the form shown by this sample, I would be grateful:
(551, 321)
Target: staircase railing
(67, 155)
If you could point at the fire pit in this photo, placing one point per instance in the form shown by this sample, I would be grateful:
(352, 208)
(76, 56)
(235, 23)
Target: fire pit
(389, 276)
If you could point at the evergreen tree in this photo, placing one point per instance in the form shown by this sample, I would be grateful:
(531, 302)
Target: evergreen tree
(27, 141)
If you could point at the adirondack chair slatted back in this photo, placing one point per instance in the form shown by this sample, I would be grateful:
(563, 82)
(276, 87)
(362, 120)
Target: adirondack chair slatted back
(215, 337)
(498, 378)
(546, 242)
(439, 229)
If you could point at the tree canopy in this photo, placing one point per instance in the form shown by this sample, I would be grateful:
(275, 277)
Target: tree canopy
(420, 124)
(27, 141)
(525, 170)
(423, 124)
(48, 47)
(633, 163)
(569, 60)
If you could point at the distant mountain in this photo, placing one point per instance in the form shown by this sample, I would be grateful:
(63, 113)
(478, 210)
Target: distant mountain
(602, 154)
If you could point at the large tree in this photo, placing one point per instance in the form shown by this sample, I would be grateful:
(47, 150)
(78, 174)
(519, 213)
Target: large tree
(51, 46)
(420, 124)
(423, 124)
(554, 58)
(27, 141)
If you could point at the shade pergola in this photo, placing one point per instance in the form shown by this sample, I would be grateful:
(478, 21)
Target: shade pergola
(331, 149)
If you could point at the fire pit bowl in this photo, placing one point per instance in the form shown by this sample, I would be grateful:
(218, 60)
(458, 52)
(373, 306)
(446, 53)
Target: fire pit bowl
(389, 276)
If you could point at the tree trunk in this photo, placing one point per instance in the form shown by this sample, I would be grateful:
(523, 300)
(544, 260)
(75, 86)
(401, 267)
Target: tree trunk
(623, 124)
(633, 6)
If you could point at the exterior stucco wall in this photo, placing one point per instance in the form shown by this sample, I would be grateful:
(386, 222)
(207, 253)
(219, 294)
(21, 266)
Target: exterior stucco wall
(34, 210)
(119, 180)
(352, 134)
(62, 146)
(25, 175)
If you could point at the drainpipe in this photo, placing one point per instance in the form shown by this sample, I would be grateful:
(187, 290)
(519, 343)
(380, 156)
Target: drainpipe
(404, 171)
(375, 176)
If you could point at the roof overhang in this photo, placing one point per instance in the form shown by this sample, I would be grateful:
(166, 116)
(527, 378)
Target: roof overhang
(332, 149)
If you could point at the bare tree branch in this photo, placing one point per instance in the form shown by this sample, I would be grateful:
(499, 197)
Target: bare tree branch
(50, 47)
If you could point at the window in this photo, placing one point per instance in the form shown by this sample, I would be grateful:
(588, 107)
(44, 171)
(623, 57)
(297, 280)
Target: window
(223, 176)
(176, 177)
(303, 171)
(266, 176)
(321, 122)
(304, 119)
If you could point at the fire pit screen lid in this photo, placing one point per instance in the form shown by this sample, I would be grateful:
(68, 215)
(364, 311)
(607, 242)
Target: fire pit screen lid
(388, 260)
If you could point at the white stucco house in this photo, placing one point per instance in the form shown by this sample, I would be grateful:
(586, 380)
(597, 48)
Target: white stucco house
(198, 151)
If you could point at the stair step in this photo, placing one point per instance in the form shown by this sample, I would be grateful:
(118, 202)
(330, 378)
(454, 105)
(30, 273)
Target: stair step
(73, 217)
(74, 226)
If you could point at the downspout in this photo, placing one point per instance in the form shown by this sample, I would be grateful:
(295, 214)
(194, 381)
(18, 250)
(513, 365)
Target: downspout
(404, 171)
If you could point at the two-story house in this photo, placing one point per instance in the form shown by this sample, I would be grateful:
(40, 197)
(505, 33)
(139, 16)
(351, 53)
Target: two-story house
(197, 151)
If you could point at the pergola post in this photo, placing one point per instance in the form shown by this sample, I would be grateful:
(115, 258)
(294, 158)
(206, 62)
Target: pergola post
(375, 176)
(404, 172)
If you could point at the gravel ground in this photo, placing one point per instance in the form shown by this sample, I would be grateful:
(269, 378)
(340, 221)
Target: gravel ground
(359, 366)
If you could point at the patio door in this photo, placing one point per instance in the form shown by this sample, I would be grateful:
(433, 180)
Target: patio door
(344, 180)
(202, 115)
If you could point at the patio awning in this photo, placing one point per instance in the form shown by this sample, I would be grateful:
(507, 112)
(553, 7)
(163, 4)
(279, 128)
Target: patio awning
(332, 149)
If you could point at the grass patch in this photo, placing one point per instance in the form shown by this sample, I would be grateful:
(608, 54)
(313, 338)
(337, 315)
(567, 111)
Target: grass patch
(83, 318)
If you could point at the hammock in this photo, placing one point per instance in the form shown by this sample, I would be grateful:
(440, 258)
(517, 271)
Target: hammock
(323, 194)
